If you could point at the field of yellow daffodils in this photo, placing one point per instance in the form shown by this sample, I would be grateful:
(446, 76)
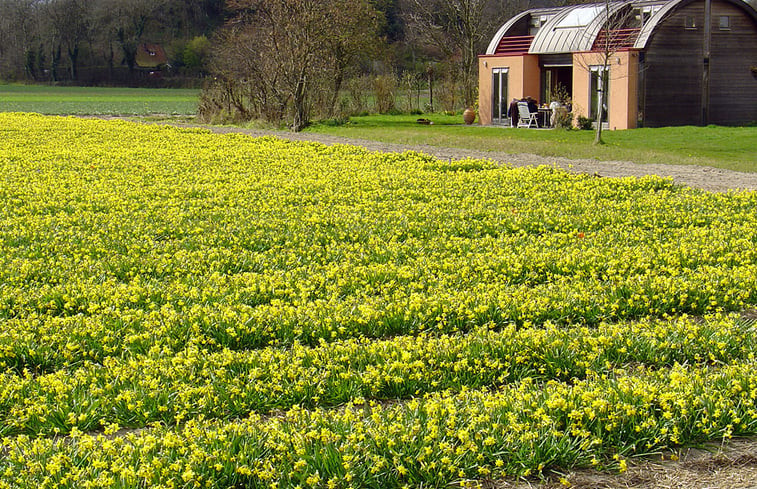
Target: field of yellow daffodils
(180, 309)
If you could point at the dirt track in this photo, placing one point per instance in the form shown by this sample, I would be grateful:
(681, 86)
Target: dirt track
(706, 178)
(733, 466)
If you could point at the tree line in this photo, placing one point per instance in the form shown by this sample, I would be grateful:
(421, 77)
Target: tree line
(279, 60)
(97, 41)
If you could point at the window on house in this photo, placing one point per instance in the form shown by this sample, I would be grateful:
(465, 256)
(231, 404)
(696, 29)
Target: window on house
(644, 14)
(725, 23)
(690, 22)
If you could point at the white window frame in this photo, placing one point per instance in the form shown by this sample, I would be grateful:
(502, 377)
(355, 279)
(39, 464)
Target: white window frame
(498, 72)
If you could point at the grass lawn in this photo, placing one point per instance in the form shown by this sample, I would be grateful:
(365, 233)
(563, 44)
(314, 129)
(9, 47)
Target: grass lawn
(46, 99)
(733, 148)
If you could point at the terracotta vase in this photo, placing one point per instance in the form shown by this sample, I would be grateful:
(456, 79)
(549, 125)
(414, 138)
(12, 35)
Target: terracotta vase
(469, 116)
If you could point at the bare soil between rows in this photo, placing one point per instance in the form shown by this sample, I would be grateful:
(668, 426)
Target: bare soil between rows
(728, 466)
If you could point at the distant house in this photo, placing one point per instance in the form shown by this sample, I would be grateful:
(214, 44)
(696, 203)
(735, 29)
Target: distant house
(150, 56)
(675, 62)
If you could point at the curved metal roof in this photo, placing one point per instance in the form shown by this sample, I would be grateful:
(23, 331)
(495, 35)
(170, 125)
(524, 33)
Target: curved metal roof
(566, 31)
(575, 28)
(655, 19)
(664, 11)
(592, 30)
(503, 31)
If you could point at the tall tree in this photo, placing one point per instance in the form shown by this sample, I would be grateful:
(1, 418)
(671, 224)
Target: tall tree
(19, 38)
(124, 23)
(285, 52)
(70, 24)
(355, 37)
(618, 22)
(457, 28)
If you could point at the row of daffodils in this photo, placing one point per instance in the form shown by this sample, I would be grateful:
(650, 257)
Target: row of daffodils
(184, 309)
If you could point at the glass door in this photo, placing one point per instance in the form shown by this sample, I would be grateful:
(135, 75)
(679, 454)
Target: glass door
(499, 96)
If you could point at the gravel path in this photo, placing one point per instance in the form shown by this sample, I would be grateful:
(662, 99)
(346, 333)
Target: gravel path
(706, 178)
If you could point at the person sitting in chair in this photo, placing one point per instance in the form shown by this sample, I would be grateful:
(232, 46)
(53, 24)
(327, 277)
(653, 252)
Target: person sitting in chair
(533, 105)
(512, 112)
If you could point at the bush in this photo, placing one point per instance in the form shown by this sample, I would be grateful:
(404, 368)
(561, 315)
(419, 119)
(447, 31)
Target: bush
(384, 87)
(585, 123)
(450, 95)
(359, 88)
(563, 118)
(196, 53)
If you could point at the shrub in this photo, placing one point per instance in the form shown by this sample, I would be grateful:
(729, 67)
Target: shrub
(196, 53)
(358, 88)
(563, 118)
(585, 123)
(384, 87)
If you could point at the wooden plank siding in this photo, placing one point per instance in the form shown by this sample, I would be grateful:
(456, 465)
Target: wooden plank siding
(733, 88)
(673, 69)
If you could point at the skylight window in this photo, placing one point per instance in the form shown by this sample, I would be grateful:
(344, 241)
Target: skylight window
(579, 17)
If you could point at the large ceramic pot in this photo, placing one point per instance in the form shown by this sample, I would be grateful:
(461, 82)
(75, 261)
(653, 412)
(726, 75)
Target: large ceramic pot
(469, 116)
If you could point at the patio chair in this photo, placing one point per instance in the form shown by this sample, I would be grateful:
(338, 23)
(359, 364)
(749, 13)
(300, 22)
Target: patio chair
(526, 117)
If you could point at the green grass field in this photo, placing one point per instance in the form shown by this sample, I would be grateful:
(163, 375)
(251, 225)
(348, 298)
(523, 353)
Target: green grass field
(97, 101)
(733, 148)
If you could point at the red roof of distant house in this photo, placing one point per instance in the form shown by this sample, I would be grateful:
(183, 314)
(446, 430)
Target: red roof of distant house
(150, 55)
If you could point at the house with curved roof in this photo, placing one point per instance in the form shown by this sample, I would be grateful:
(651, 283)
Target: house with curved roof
(646, 62)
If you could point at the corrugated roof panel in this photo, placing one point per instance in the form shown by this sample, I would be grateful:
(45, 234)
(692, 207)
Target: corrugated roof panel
(552, 38)
(504, 30)
(651, 24)
(580, 17)
(575, 28)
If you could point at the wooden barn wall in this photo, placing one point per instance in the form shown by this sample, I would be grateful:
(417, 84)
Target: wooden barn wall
(673, 68)
(733, 88)
(673, 71)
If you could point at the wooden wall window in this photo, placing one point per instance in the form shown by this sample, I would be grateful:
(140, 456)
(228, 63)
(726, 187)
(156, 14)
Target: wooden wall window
(690, 22)
(725, 23)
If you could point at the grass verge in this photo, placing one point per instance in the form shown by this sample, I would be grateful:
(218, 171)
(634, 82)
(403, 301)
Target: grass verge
(731, 148)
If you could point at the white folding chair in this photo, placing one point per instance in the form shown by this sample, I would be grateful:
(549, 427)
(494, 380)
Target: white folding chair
(525, 116)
